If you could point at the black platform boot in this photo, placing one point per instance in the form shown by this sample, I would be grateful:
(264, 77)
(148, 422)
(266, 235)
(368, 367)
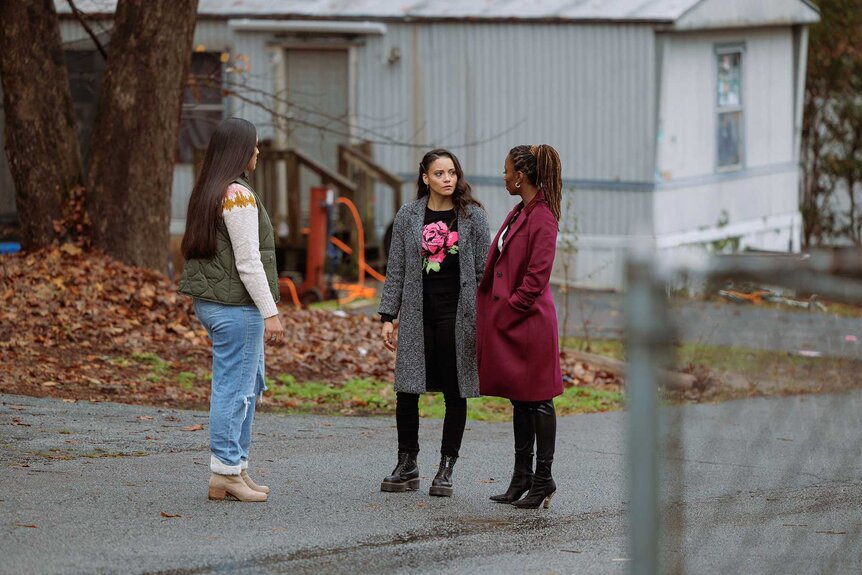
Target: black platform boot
(543, 487)
(404, 477)
(441, 486)
(525, 436)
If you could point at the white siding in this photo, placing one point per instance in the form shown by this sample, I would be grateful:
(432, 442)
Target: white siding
(71, 32)
(691, 197)
(688, 117)
(770, 98)
(588, 90)
(700, 204)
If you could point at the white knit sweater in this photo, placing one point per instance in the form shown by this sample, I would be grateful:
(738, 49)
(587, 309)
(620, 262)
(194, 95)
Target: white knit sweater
(240, 217)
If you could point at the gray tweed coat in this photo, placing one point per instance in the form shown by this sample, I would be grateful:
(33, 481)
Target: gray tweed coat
(402, 293)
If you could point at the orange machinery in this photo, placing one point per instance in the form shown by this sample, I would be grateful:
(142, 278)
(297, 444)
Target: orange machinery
(315, 286)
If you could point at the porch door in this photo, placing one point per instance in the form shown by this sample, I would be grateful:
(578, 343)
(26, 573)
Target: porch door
(317, 88)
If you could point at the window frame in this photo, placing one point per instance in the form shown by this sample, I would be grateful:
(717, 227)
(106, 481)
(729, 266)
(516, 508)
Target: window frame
(719, 51)
(204, 107)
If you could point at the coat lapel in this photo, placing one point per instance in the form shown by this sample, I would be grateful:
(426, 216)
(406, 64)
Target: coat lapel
(519, 223)
(495, 252)
(417, 219)
(513, 229)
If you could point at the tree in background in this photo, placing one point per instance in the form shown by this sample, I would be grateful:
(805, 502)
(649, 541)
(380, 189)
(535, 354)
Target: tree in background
(41, 144)
(134, 139)
(832, 126)
(133, 142)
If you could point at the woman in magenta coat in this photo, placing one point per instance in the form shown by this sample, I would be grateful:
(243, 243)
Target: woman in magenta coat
(517, 345)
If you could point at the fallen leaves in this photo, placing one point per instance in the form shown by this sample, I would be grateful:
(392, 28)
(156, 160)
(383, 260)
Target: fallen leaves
(77, 324)
(197, 427)
(71, 249)
(170, 515)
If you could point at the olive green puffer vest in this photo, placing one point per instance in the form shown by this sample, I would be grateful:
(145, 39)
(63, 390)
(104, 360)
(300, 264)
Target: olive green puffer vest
(217, 279)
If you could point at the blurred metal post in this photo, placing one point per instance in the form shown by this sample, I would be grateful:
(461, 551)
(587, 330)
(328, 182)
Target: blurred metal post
(648, 332)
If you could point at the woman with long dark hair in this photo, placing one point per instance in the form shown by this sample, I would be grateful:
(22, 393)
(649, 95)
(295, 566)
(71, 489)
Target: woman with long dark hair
(230, 272)
(517, 342)
(436, 258)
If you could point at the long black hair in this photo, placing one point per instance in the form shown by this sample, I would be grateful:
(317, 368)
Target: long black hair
(461, 196)
(229, 151)
(541, 165)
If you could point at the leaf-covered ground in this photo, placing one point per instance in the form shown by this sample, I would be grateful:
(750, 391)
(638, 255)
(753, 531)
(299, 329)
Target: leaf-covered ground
(79, 325)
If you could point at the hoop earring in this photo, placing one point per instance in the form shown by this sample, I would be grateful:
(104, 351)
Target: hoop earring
(518, 185)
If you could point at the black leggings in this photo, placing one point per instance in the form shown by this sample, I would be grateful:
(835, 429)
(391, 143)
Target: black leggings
(441, 374)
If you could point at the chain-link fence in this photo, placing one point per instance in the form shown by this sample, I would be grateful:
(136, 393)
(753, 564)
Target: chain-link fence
(769, 479)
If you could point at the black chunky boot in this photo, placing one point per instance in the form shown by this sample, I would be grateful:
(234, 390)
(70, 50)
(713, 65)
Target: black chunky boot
(543, 487)
(525, 436)
(441, 486)
(404, 477)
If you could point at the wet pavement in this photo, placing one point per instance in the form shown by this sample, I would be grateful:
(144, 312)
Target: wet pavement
(760, 486)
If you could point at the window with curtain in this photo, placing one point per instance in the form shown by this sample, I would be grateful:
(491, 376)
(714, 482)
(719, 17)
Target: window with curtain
(730, 110)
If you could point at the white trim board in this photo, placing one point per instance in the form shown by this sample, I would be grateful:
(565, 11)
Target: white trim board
(689, 237)
(308, 26)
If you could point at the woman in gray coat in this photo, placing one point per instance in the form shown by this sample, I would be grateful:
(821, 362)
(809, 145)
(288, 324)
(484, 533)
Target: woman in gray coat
(436, 260)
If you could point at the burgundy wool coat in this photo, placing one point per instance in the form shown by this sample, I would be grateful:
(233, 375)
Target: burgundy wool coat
(517, 347)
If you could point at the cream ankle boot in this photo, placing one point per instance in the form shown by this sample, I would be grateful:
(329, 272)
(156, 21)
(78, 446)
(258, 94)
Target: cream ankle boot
(222, 486)
(248, 481)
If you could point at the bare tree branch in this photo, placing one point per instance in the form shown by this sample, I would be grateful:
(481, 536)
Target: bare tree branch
(349, 130)
(81, 20)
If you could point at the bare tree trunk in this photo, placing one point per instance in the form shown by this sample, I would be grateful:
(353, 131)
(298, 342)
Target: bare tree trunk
(134, 139)
(41, 143)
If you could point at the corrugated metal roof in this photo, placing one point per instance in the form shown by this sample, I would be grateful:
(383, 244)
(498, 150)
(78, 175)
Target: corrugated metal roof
(574, 10)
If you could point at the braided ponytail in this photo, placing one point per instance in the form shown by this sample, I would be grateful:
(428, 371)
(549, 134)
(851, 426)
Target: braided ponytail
(550, 178)
(541, 165)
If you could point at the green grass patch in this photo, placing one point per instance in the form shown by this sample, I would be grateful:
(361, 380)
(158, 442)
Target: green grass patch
(588, 400)
(332, 304)
(156, 363)
(606, 347)
(118, 361)
(368, 397)
(326, 305)
(740, 360)
(360, 395)
(186, 380)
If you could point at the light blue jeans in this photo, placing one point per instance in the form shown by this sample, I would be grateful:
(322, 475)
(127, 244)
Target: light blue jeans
(238, 379)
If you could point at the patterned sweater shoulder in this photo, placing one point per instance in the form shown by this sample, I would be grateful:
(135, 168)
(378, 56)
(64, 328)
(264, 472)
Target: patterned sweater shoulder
(239, 210)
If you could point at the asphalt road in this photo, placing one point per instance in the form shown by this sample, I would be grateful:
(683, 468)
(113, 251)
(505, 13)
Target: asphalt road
(601, 315)
(760, 486)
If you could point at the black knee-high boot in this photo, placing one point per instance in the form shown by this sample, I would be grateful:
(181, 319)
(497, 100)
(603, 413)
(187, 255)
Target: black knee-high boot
(525, 436)
(543, 487)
